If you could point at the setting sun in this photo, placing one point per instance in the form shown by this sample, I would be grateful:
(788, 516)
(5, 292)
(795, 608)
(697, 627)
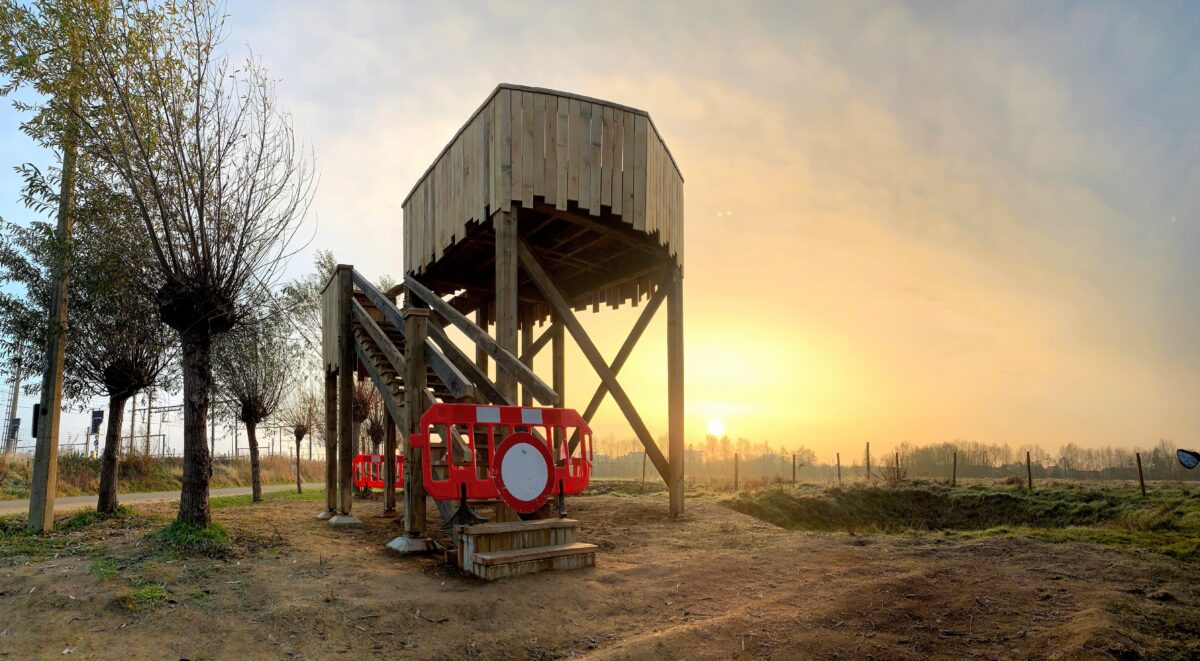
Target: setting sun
(716, 427)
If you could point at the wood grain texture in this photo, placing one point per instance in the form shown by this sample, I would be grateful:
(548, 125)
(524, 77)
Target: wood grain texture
(529, 145)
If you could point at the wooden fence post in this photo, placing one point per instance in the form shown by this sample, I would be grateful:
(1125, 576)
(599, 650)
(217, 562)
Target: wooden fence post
(868, 460)
(1029, 471)
(643, 470)
(954, 471)
(793, 469)
(839, 467)
(1141, 479)
(735, 471)
(897, 466)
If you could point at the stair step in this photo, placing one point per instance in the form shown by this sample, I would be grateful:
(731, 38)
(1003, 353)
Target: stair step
(539, 553)
(505, 564)
(495, 528)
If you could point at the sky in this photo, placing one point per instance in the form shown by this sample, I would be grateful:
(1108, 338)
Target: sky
(905, 222)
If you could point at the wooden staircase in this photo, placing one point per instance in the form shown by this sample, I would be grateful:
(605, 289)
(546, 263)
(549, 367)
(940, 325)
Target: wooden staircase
(500, 550)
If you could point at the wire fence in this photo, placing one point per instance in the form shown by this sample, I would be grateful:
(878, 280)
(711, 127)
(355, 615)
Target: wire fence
(1156, 463)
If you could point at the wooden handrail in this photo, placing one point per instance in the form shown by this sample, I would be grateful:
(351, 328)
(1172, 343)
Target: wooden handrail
(456, 383)
(504, 360)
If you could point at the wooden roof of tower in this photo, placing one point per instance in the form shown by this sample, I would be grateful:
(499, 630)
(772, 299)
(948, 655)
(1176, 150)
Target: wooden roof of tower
(596, 191)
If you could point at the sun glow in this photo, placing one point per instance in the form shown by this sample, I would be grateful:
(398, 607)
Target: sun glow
(716, 427)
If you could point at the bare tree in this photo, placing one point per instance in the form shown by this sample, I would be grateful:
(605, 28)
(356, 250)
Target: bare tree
(375, 426)
(212, 166)
(366, 400)
(252, 367)
(300, 415)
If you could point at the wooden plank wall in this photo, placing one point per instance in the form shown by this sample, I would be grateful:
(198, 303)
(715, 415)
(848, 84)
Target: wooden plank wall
(330, 325)
(525, 143)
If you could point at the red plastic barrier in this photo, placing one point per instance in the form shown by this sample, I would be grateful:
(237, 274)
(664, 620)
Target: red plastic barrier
(368, 471)
(449, 467)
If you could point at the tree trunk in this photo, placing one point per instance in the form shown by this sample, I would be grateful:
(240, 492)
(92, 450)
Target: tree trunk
(197, 462)
(106, 503)
(255, 478)
(299, 438)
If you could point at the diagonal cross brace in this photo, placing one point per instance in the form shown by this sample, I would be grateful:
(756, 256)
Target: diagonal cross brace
(540, 278)
(635, 334)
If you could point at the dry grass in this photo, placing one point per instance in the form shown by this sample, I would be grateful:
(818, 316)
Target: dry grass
(80, 475)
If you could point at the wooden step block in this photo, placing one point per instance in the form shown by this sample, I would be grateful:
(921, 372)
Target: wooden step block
(505, 564)
(513, 536)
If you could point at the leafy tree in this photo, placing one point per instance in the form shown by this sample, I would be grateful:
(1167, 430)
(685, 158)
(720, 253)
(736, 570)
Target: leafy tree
(41, 45)
(215, 175)
(115, 344)
(253, 366)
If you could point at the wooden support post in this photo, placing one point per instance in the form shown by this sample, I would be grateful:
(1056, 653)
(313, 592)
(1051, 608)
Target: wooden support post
(643, 472)
(416, 322)
(793, 469)
(735, 472)
(389, 462)
(839, 468)
(527, 357)
(954, 470)
(505, 224)
(558, 347)
(868, 460)
(1141, 479)
(1029, 470)
(346, 368)
(675, 388)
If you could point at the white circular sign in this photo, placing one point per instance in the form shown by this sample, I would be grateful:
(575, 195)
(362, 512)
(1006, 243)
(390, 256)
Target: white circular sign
(524, 472)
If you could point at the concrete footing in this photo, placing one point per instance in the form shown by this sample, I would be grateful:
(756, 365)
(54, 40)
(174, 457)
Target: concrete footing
(326, 514)
(405, 545)
(345, 521)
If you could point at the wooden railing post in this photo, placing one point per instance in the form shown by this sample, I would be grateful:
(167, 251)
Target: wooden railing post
(839, 467)
(415, 330)
(346, 368)
(389, 462)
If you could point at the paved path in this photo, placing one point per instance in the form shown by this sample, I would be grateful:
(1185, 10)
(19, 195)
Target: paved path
(76, 502)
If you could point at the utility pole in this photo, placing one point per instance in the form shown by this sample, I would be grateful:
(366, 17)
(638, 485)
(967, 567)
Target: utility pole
(45, 455)
(149, 409)
(212, 429)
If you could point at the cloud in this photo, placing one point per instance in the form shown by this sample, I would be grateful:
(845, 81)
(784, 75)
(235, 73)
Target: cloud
(947, 222)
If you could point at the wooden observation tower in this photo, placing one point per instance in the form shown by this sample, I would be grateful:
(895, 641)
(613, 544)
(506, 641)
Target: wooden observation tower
(543, 204)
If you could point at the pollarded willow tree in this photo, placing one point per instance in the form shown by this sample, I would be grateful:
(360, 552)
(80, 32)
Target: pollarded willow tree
(301, 416)
(253, 366)
(212, 166)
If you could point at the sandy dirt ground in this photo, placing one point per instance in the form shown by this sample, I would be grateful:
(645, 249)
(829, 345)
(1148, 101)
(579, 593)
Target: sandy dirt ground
(714, 584)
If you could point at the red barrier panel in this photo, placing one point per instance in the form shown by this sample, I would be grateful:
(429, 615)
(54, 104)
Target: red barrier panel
(368, 471)
(458, 443)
